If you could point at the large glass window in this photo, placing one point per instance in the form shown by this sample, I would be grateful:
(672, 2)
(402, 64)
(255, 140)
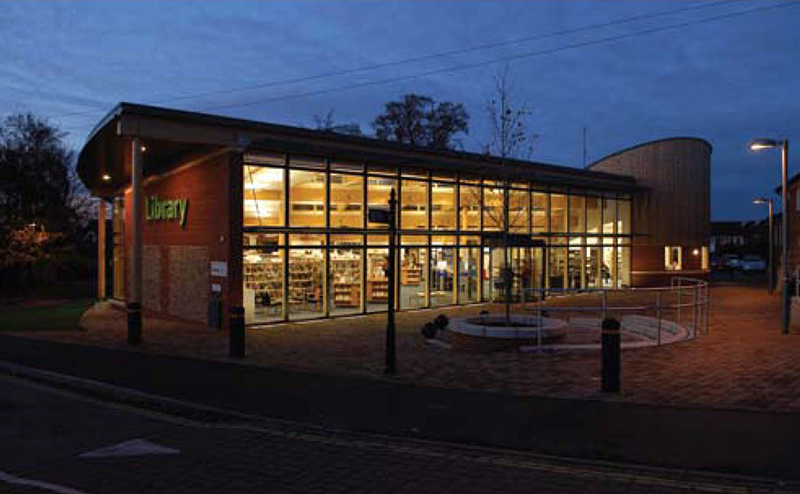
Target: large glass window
(609, 215)
(577, 215)
(624, 270)
(493, 208)
(609, 267)
(624, 217)
(469, 207)
(377, 288)
(576, 267)
(306, 279)
(558, 213)
(118, 228)
(593, 215)
(558, 268)
(519, 216)
(262, 296)
(378, 191)
(345, 290)
(442, 285)
(413, 274)
(540, 212)
(347, 201)
(307, 198)
(414, 205)
(469, 274)
(263, 196)
(443, 208)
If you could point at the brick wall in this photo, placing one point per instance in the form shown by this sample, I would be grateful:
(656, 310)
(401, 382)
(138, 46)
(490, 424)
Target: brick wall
(176, 259)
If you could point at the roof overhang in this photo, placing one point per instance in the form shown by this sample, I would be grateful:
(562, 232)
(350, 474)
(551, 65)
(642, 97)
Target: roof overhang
(172, 135)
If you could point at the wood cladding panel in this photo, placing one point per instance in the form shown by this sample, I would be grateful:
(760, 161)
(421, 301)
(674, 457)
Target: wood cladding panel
(673, 206)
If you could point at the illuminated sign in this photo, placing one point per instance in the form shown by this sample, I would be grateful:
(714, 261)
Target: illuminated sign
(157, 209)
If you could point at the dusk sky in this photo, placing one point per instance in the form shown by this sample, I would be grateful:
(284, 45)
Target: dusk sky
(724, 78)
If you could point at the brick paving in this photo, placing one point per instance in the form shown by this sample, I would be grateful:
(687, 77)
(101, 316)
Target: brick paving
(744, 363)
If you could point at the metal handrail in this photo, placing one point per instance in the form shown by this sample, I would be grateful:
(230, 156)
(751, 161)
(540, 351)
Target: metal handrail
(695, 289)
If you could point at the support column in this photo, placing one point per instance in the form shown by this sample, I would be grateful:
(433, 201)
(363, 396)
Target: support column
(101, 249)
(134, 305)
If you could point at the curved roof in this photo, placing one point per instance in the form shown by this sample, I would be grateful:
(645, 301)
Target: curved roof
(650, 143)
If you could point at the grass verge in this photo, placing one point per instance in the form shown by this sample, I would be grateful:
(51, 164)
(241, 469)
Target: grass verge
(60, 316)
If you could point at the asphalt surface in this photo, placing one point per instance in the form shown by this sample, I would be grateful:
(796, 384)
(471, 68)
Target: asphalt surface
(47, 433)
(750, 443)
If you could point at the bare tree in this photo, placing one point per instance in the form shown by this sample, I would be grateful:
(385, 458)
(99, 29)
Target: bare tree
(328, 123)
(511, 138)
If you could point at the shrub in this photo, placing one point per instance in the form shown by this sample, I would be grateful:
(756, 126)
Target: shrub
(429, 330)
(441, 321)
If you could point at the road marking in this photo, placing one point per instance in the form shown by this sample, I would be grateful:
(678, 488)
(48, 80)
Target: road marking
(60, 489)
(134, 447)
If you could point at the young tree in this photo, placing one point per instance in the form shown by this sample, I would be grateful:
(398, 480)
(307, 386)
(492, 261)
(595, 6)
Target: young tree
(420, 121)
(511, 138)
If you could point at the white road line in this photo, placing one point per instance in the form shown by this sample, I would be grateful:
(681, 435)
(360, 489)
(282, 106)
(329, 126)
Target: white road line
(60, 489)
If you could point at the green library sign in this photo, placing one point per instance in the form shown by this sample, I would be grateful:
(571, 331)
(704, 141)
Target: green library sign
(157, 209)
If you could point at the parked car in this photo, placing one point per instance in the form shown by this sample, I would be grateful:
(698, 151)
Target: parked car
(732, 261)
(752, 263)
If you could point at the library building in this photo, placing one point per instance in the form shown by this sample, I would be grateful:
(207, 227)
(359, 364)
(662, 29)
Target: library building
(200, 213)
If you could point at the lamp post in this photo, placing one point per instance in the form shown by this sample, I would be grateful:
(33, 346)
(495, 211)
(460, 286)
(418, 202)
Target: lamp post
(758, 145)
(770, 272)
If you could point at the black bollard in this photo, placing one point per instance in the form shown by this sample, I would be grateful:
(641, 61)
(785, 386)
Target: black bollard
(236, 332)
(611, 375)
(134, 311)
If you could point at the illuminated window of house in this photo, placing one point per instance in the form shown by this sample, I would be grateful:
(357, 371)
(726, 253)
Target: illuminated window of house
(672, 258)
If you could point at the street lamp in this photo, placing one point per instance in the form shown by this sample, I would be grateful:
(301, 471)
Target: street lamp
(768, 202)
(758, 145)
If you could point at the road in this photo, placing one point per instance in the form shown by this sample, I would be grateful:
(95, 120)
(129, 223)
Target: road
(53, 441)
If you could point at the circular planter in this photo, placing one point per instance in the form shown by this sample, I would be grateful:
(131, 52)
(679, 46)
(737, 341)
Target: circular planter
(489, 333)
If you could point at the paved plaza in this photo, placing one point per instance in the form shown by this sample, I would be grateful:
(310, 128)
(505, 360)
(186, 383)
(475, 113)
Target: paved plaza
(743, 363)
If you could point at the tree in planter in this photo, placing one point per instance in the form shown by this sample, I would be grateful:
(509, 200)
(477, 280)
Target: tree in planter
(511, 138)
(420, 121)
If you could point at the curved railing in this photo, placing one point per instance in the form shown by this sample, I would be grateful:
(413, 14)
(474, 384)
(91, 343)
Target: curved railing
(658, 314)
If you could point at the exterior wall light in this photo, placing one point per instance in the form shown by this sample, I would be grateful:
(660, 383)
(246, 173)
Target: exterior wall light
(696, 252)
(106, 177)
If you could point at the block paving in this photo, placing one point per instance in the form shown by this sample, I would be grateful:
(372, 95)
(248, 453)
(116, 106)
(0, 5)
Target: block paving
(743, 363)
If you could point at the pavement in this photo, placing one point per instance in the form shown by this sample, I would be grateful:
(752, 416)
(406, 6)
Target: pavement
(744, 363)
(763, 444)
(52, 440)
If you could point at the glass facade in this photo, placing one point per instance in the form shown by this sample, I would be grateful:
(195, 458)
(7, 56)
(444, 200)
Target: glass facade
(310, 252)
